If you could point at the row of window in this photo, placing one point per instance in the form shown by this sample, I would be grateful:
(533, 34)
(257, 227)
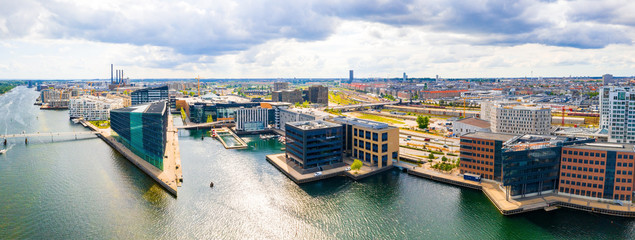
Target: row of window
(369, 145)
(585, 161)
(620, 164)
(582, 176)
(620, 172)
(584, 169)
(591, 154)
(368, 134)
(582, 184)
(478, 168)
(624, 180)
(581, 192)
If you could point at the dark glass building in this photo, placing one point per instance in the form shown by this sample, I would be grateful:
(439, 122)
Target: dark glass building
(142, 129)
(525, 165)
(312, 145)
(149, 95)
(201, 112)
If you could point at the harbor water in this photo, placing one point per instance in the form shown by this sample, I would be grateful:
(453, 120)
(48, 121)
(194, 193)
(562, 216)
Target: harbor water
(67, 188)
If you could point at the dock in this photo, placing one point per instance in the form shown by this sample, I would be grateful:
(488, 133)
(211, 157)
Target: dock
(279, 161)
(171, 177)
(241, 143)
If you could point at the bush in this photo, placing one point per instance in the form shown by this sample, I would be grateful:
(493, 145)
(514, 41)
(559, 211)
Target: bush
(357, 164)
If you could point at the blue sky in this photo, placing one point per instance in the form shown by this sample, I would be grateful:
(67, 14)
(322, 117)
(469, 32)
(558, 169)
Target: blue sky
(283, 39)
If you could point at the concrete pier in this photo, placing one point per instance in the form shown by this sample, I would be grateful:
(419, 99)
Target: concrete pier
(171, 176)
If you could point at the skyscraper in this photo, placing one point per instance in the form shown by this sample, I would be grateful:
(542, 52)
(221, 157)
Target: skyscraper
(350, 76)
(616, 113)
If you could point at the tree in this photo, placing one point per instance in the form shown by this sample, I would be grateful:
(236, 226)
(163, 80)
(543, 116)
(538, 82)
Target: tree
(423, 122)
(209, 118)
(431, 156)
(444, 159)
(357, 164)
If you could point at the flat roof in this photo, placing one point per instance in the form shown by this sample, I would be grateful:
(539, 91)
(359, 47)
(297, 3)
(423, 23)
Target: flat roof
(618, 147)
(155, 107)
(362, 122)
(311, 125)
(504, 137)
(475, 122)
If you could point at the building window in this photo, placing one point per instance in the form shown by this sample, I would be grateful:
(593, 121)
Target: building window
(395, 155)
(355, 142)
(384, 137)
(375, 136)
(368, 135)
(375, 147)
(355, 132)
(384, 147)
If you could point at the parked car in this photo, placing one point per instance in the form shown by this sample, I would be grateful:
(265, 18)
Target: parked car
(318, 174)
(348, 168)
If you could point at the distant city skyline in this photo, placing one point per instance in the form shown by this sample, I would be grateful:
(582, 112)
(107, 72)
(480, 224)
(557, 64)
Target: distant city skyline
(316, 39)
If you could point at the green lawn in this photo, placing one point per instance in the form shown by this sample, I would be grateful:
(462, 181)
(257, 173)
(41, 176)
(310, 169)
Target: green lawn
(101, 124)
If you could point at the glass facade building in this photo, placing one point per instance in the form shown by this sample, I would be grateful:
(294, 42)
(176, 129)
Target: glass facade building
(149, 95)
(314, 144)
(143, 130)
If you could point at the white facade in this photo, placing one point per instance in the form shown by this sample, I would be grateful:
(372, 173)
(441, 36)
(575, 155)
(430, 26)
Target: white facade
(297, 115)
(617, 113)
(469, 125)
(93, 108)
(522, 120)
(252, 119)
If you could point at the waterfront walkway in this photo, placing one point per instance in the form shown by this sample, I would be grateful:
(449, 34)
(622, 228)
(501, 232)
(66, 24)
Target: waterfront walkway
(497, 195)
(171, 176)
(279, 161)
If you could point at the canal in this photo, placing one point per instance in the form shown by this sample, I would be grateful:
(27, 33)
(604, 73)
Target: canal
(83, 189)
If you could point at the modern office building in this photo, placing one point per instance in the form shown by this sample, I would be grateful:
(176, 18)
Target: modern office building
(318, 94)
(287, 115)
(201, 112)
(521, 120)
(93, 108)
(374, 143)
(617, 113)
(607, 79)
(142, 129)
(598, 171)
(149, 95)
(279, 86)
(350, 76)
(525, 165)
(252, 119)
(290, 96)
(314, 145)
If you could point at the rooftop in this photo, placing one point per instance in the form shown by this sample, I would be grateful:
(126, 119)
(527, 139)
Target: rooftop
(491, 136)
(155, 107)
(618, 147)
(475, 122)
(311, 125)
(362, 122)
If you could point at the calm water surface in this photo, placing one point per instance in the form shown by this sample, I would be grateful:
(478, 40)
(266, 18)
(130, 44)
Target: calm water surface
(80, 189)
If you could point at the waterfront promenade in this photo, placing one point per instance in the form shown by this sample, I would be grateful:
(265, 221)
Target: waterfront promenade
(171, 176)
(279, 161)
(547, 202)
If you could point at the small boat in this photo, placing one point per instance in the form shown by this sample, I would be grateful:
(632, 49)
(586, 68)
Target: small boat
(3, 151)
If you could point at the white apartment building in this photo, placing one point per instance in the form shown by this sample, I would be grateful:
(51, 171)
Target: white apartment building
(297, 115)
(521, 119)
(617, 113)
(252, 119)
(93, 108)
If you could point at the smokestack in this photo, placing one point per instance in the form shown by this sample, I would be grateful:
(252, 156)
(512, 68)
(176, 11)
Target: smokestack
(111, 79)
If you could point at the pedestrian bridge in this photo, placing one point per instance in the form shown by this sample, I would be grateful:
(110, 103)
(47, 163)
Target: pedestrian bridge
(224, 123)
(46, 134)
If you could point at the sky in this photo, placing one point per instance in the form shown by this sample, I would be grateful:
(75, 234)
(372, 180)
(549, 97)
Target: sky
(79, 39)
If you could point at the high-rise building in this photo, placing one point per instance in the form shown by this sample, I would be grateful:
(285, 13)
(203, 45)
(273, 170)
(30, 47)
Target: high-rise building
(142, 129)
(318, 94)
(279, 86)
(252, 119)
(350, 76)
(405, 77)
(607, 79)
(149, 95)
(375, 144)
(290, 96)
(312, 145)
(617, 113)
